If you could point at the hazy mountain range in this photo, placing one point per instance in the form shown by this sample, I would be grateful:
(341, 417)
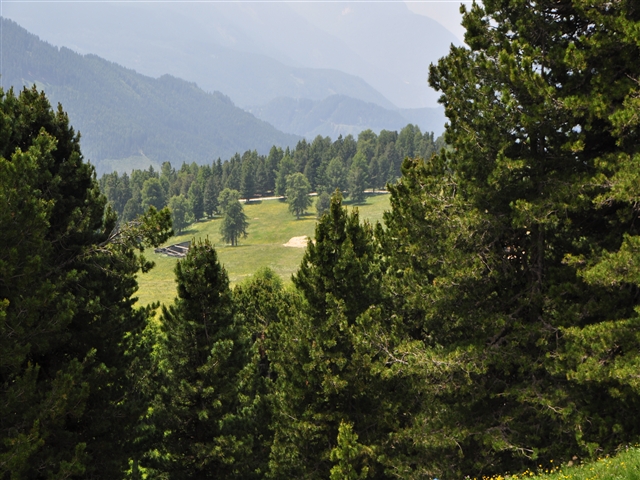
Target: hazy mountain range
(257, 51)
(305, 68)
(342, 115)
(128, 120)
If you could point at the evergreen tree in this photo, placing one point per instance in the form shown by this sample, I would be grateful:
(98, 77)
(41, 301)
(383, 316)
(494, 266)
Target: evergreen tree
(153, 194)
(323, 203)
(133, 208)
(261, 300)
(210, 196)
(179, 207)
(336, 175)
(271, 167)
(261, 178)
(248, 175)
(196, 201)
(234, 221)
(298, 190)
(228, 197)
(358, 178)
(71, 348)
(116, 189)
(167, 179)
(203, 350)
(285, 168)
(491, 244)
(329, 382)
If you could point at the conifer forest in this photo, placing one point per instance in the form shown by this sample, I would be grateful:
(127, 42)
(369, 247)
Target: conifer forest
(489, 324)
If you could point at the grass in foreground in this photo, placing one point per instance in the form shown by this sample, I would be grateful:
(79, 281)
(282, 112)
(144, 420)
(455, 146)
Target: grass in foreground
(624, 466)
(270, 226)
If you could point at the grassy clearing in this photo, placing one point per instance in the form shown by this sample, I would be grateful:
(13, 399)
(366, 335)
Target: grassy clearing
(624, 466)
(270, 226)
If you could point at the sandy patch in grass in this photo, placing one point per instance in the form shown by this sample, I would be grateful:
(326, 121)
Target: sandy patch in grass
(297, 242)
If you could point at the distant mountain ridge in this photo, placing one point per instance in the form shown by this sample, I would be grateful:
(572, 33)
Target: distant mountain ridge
(217, 55)
(254, 52)
(128, 120)
(341, 115)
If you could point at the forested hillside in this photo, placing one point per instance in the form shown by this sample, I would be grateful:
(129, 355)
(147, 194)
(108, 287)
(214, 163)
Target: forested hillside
(491, 324)
(128, 120)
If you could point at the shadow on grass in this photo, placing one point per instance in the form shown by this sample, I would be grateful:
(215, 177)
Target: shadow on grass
(306, 216)
(233, 247)
(182, 233)
(351, 203)
(367, 195)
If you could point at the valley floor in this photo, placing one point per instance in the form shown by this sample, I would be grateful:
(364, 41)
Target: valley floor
(271, 227)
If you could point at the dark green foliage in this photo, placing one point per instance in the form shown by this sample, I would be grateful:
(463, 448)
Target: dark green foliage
(286, 167)
(335, 175)
(248, 175)
(234, 221)
(326, 166)
(358, 177)
(210, 196)
(297, 193)
(339, 264)
(153, 194)
(180, 215)
(330, 381)
(198, 411)
(323, 202)
(133, 207)
(227, 198)
(492, 325)
(261, 300)
(488, 244)
(196, 201)
(71, 345)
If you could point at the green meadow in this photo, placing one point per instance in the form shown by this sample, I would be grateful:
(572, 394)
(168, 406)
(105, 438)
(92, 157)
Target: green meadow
(271, 225)
(623, 466)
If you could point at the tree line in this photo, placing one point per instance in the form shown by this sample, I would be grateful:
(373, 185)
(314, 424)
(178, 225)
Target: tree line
(489, 325)
(346, 164)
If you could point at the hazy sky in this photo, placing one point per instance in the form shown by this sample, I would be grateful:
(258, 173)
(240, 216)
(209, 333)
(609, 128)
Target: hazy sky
(446, 12)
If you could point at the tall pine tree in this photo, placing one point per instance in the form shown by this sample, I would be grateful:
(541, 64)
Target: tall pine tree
(71, 345)
(488, 243)
(198, 415)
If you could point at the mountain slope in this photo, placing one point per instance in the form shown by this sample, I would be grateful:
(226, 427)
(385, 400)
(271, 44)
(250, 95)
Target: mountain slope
(342, 115)
(124, 115)
(219, 46)
(398, 44)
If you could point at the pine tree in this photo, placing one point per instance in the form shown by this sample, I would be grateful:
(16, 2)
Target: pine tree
(196, 201)
(298, 190)
(71, 344)
(179, 207)
(358, 178)
(329, 382)
(261, 300)
(234, 221)
(202, 353)
(153, 194)
(286, 167)
(487, 242)
(210, 196)
(248, 175)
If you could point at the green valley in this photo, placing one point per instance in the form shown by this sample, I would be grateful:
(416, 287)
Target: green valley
(271, 225)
